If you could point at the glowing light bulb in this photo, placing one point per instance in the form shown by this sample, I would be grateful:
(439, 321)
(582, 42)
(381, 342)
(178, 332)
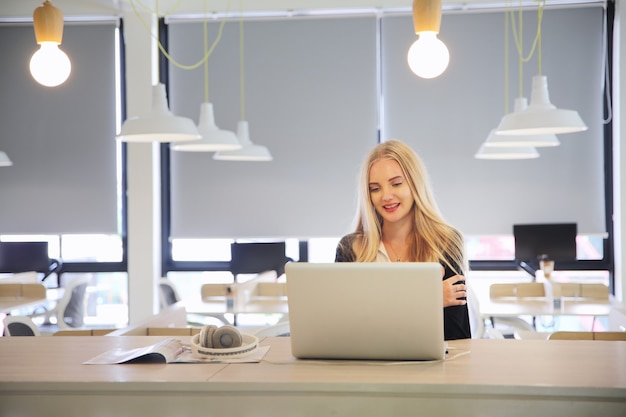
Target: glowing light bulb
(428, 57)
(50, 66)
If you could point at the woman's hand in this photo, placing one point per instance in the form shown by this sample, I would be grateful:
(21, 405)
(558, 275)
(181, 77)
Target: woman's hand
(454, 291)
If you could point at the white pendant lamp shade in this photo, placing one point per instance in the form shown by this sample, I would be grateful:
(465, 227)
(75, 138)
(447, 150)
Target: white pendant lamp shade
(4, 160)
(541, 117)
(213, 138)
(160, 125)
(428, 57)
(538, 141)
(506, 152)
(49, 65)
(509, 141)
(248, 152)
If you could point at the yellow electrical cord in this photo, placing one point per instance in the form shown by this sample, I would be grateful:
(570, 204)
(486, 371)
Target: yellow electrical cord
(160, 46)
(241, 65)
(518, 39)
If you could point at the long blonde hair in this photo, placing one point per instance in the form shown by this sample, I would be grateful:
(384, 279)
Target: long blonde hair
(432, 240)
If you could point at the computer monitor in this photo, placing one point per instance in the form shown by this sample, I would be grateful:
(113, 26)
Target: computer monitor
(557, 241)
(16, 257)
(257, 257)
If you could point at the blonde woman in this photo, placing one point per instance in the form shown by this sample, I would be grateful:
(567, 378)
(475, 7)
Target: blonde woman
(398, 221)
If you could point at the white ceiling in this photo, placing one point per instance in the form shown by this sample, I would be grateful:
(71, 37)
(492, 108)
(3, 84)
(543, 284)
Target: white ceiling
(23, 9)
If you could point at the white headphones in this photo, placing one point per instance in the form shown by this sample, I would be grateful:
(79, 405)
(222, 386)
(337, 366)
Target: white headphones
(224, 340)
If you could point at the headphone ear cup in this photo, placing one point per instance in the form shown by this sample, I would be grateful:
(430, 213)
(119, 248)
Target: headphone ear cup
(227, 337)
(206, 336)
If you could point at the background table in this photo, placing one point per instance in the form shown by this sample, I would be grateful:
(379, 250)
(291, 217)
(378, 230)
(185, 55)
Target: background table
(16, 295)
(541, 306)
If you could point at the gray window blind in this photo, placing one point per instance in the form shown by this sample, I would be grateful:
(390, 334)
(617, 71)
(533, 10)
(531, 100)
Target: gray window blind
(61, 140)
(310, 97)
(446, 119)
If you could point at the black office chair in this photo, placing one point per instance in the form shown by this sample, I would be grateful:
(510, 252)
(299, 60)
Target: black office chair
(16, 257)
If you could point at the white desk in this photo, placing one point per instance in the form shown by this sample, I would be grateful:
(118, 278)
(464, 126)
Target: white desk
(263, 294)
(16, 296)
(19, 278)
(217, 308)
(256, 306)
(527, 334)
(44, 376)
(540, 306)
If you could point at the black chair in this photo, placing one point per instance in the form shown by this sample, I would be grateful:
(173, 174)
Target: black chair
(257, 257)
(16, 257)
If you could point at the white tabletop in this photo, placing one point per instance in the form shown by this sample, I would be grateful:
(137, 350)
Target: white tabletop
(482, 377)
(530, 306)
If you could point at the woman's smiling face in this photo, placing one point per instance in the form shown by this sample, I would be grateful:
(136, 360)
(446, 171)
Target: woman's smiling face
(389, 191)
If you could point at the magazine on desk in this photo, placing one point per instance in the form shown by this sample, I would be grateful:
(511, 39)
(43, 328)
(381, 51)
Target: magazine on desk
(171, 350)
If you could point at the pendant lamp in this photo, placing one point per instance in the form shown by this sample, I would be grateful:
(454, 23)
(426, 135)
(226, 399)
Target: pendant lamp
(428, 57)
(160, 125)
(49, 65)
(541, 140)
(4, 160)
(506, 152)
(213, 138)
(248, 152)
(541, 117)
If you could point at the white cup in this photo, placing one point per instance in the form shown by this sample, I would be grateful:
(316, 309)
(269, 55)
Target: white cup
(547, 267)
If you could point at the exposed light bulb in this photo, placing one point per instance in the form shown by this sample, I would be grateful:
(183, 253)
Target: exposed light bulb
(428, 57)
(49, 65)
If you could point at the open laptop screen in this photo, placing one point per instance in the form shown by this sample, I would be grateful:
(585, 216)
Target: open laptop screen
(372, 311)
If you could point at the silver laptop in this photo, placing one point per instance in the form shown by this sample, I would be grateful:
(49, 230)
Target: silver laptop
(367, 311)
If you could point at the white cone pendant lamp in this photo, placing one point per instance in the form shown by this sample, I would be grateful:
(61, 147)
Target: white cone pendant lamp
(542, 140)
(248, 152)
(4, 160)
(160, 125)
(213, 138)
(506, 152)
(541, 117)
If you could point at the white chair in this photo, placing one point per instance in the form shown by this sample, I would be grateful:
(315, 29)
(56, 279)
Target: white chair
(500, 328)
(279, 329)
(477, 323)
(20, 326)
(167, 293)
(69, 311)
(169, 296)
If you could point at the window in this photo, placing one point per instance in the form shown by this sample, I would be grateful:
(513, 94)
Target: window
(64, 178)
(320, 75)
